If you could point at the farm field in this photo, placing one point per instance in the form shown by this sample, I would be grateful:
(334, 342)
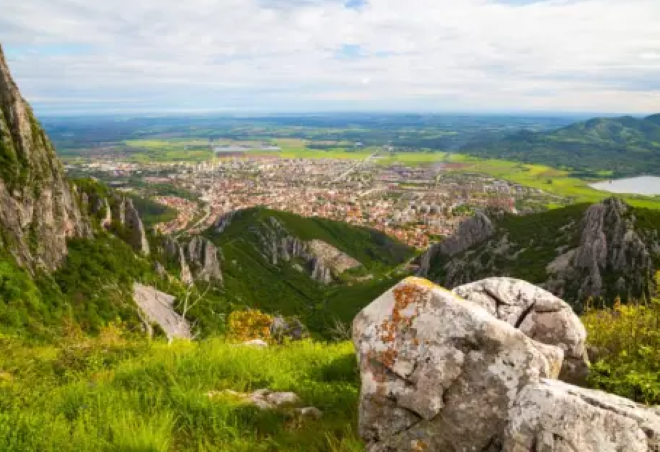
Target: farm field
(545, 178)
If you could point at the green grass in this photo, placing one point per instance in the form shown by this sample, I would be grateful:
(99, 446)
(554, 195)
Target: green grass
(172, 150)
(132, 396)
(550, 180)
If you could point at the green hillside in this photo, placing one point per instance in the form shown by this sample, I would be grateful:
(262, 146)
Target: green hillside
(618, 146)
(250, 280)
(540, 248)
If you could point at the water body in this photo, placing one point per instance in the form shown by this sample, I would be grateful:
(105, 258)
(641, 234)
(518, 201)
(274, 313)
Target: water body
(642, 185)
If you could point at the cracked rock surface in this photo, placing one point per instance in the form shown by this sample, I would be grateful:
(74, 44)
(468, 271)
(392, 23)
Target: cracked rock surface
(537, 313)
(554, 416)
(440, 373)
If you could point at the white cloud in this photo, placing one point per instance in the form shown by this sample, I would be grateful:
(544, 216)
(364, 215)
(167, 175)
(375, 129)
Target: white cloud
(583, 55)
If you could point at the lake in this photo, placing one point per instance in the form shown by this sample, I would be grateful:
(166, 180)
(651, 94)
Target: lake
(642, 185)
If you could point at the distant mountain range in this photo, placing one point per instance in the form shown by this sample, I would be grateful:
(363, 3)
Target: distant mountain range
(623, 146)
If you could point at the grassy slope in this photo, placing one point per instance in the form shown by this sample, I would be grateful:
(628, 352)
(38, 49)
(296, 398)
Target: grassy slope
(537, 236)
(110, 394)
(251, 281)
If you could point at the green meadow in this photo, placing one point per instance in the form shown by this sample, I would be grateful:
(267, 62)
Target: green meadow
(550, 180)
(116, 394)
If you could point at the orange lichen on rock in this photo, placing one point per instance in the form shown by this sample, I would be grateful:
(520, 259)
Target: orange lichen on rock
(419, 446)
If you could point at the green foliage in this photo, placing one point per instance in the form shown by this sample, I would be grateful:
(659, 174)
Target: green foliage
(21, 305)
(626, 341)
(151, 397)
(371, 248)
(251, 281)
(152, 212)
(97, 279)
(533, 241)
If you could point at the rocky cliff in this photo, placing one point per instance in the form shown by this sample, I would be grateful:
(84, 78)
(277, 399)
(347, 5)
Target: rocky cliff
(611, 246)
(604, 250)
(470, 232)
(323, 261)
(39, 209)
(197, 260)
(117, 214)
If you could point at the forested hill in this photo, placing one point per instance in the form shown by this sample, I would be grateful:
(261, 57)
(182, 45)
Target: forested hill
(623, 146)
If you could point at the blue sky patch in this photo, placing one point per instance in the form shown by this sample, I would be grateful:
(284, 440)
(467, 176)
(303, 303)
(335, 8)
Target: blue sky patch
(355, 4)
(349, 52)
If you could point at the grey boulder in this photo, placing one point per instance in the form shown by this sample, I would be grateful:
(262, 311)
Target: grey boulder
(439, 373)
(537, 313)
(552, 416)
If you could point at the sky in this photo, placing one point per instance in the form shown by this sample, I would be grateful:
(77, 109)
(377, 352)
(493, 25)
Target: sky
(172, 56)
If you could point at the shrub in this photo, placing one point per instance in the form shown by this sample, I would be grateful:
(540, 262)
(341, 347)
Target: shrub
(248, 325)
(625, 342)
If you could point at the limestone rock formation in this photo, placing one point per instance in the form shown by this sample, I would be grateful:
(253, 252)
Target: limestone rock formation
(609, 242)
(439, 373)
(156, 307)
(135, 232)
(555, 417)
(198, 260)
(39, 210)
(603, 250)
(470, 233)
(323, 261)
(204, 259)
(287, 329)
(537, 313)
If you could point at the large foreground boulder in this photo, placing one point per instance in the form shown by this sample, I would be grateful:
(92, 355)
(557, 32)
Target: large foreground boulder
(538, 314)
(443, 374)
(439, 373)
(555, 417)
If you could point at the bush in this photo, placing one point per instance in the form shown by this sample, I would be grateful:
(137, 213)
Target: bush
(625, 342)
(248, 325)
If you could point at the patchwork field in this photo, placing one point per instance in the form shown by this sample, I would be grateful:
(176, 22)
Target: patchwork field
(545, 178)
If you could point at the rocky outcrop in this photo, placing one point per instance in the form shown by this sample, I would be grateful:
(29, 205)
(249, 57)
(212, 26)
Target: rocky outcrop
(331, 257)
(323, 261)
(284, 329)
(204, 259)
(157, 307)
(224, 222)
(604, 250)
(609, 243)
(136, 235)
(120, 216)
(555, 417)
(537, 313)
(471, 232)
(39, 210)
(174, 251)
(198, 260)
(441, 373)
